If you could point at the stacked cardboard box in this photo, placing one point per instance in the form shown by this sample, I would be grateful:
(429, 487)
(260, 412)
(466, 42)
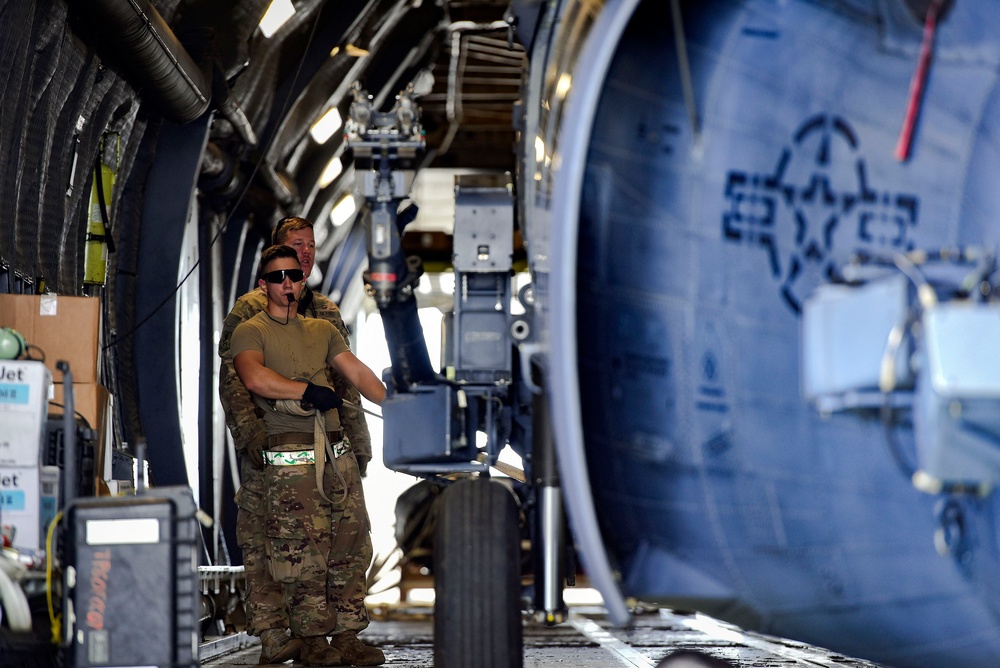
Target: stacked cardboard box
(60, 328)
(56, 328)
(63, 328)
(90, 400)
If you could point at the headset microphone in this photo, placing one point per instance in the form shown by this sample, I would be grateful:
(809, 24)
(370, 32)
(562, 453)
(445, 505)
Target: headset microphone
(288, 315)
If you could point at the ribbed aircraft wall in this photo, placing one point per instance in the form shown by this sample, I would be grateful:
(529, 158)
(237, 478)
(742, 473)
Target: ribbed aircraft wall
(59, 101)
(63, 97)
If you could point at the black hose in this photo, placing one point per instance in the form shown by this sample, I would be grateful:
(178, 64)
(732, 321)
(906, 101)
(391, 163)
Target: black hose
(407, 347)
(159, 65)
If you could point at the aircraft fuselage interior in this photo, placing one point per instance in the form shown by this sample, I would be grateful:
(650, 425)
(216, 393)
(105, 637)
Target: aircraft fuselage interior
(718, 276)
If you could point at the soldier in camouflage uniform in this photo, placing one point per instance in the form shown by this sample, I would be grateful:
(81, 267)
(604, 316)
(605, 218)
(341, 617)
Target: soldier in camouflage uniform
(266, 614)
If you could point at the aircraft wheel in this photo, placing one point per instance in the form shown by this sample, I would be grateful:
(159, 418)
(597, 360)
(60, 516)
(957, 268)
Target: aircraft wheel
(477, 610)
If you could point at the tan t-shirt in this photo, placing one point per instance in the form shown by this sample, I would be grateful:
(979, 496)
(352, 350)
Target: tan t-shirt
(301, 350)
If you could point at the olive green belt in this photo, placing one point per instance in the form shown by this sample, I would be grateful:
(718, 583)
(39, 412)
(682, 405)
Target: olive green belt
(300, 438)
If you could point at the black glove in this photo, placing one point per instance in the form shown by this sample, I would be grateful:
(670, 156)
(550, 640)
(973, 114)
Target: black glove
(321, 398)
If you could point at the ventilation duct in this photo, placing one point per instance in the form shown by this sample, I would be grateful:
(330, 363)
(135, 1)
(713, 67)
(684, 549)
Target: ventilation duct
(163, 70)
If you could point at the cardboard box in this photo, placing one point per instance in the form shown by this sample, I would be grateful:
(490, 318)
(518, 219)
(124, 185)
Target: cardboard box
(93, 402)
(89, 400)
(24, 392)
(61, 327)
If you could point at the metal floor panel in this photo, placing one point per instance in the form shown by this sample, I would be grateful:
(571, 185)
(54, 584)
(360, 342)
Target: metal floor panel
(587, 641)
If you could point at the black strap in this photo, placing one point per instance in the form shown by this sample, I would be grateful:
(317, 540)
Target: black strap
(106, 219)
(306, 303)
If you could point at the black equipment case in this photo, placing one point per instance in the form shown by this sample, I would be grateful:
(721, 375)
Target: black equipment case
(134, 581)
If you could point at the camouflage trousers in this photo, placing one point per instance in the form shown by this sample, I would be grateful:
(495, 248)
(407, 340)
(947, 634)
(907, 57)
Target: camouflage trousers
(264, 600)
(319, 553)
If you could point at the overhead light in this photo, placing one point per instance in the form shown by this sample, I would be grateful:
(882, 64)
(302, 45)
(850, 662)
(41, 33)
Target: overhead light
(355, 51)
(539, 149)
(332, 171)
(343, 211)
(278, 12)
(423, 83)
(328, 123)
(564, 84)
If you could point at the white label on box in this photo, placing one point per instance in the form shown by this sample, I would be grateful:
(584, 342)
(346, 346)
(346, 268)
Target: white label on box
(123, 532)
(48, 305)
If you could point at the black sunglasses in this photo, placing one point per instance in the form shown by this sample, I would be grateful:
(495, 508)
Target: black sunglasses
(279, 275)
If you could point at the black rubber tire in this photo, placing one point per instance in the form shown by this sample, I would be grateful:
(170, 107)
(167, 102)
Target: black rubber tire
(477, 602)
